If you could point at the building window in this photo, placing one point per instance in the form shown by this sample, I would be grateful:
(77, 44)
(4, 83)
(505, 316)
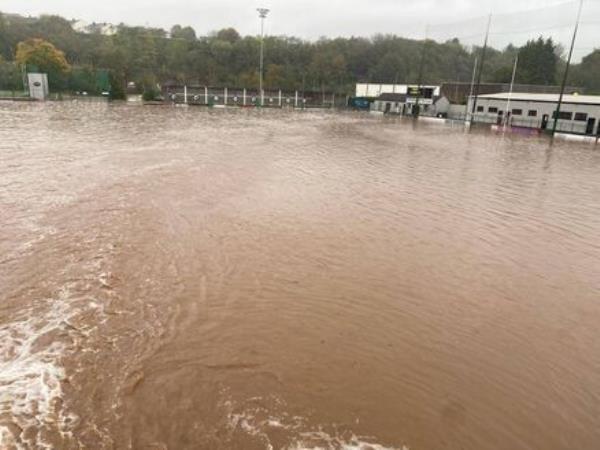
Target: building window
(517, 112)
(532, 113)
(564, 115)
(480, 109)
(581, 117)
(492, 109)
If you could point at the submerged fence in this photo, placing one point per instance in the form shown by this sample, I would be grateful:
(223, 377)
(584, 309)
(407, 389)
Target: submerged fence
(227, 96)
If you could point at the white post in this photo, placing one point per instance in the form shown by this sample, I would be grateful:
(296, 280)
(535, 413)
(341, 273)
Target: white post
(296, 100)
(185, 94)
(333, 101)
(508, 114)
(280, 98)
(206, 95)
(225, 96)
(244, 97)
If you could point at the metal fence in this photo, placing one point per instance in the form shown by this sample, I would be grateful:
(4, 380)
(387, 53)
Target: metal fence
(563, 126)
(225, 96)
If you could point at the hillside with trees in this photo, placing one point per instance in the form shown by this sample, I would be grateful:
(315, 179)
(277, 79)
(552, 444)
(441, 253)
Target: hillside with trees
(150, 55)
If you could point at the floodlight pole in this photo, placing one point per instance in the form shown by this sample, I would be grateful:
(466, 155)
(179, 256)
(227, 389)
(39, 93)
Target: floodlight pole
(566, 75)
(467, 119)
(478, 84)
(421, 68)
(262, 14)
(508, 115)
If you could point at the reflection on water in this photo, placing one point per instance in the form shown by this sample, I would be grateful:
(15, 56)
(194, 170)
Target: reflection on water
(183, 278)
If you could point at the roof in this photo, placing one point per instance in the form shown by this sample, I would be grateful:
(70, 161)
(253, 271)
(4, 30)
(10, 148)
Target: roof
(545, 98)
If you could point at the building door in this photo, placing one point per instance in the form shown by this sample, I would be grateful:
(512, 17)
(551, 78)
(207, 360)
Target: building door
(388, 107)
(590, 126)
(545, 118)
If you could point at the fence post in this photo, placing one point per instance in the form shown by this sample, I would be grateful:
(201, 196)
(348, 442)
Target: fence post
(206, 95)
(244, 97)
(296, 100)
(280, 98)
(224, 96)
(333, 101)
(185, 94)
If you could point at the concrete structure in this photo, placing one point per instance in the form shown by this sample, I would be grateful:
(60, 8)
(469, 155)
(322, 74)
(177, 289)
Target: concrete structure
(38, 85)
(579, 114)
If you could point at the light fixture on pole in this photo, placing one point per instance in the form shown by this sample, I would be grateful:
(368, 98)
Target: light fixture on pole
(262, 13)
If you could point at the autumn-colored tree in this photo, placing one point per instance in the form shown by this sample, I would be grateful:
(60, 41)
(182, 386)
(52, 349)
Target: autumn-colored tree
(43, 55)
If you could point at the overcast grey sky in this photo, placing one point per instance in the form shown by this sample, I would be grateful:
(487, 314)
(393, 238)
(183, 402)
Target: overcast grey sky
(514, 20)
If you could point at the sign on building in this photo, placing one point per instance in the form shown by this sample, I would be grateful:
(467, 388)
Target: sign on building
(424, 94)
(38, 85)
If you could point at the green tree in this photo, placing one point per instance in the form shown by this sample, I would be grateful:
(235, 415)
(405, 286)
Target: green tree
(179, 32)
(274, 76)
(226, 58)
(228, 34)
(10, 76)
(538, 62)
(587, 73)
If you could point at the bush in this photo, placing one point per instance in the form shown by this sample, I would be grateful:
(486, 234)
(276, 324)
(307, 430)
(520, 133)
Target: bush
(150, 95)
(117, 90)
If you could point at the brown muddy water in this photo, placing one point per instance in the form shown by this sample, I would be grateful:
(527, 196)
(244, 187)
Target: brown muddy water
(193, 279)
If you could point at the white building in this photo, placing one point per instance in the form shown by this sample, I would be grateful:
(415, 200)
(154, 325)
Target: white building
(401, 104)
(579, 114)
(106, 29)
(376, 89)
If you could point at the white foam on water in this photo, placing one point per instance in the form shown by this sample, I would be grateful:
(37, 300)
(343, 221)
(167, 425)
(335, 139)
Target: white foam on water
(321, 440)
(31, 375)
(251, 422)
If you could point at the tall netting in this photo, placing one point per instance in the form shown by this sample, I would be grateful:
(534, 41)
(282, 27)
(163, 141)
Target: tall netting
(545, 60)
(509, 33)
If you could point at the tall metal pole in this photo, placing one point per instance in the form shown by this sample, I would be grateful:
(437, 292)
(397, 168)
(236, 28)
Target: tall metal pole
(471, 90)
(566, 75)
(262, 13)
(421, 68)
(508, 114)
(478, 85)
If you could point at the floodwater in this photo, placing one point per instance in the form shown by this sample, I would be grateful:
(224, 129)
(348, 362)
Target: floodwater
(189, 279)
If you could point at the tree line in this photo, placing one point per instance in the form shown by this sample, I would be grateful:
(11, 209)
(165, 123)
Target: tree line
(148, 56)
